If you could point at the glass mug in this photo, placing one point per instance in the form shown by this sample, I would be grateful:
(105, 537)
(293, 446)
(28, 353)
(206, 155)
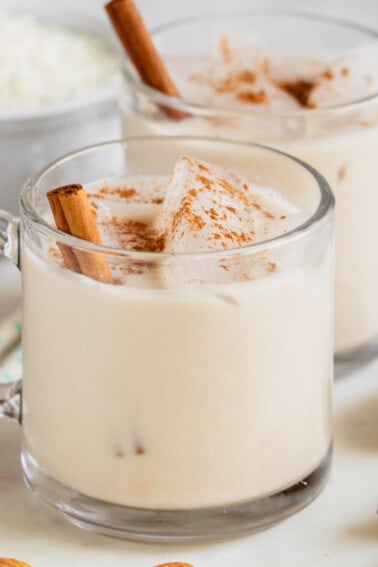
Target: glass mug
(341, 142)
(191, 411)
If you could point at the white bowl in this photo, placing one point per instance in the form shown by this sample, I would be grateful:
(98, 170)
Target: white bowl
(31, 138)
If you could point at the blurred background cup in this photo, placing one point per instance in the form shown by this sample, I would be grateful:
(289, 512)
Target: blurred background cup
(341, 142)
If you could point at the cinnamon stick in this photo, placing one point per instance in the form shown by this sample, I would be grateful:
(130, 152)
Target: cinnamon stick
(7, 562)
(135, 37)
(69, 257)
(73, 215)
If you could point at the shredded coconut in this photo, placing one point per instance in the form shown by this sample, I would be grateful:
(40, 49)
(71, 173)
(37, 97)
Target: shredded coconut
(43, 63)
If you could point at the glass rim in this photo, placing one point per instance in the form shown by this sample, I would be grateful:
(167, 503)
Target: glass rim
(204, 110)
(33, 217)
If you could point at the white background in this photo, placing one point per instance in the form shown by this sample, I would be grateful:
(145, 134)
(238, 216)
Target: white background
(160, 11)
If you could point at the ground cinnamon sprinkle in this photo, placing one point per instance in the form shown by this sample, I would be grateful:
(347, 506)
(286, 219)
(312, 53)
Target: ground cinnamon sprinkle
(134, 235)
(120, 192)
(225, 49)
(328, 74)
(231, 83)
(258, 97)
(233, 192)
(341, 173)
(202, 167)
(224, 86)
(300, 90)
(139, 450)
(196, 223)
(246, 76)
(206, 182)
(136, 194)
(212, 213)
(259, 266)
(241, 238)
(267, 214)
(133, 270)
(225, 267)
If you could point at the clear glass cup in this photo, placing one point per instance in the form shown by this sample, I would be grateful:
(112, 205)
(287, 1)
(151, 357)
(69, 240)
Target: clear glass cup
(341, 142)
(193, 403)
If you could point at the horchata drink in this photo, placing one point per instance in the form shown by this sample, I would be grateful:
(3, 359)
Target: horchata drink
(312, 93)
(177, 337)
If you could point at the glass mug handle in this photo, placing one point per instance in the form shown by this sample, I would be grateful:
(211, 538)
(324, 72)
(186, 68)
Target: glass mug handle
(10, 396)
(9, 237)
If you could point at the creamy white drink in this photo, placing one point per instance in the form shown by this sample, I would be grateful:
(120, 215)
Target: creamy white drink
(248, 91)
(189, 381)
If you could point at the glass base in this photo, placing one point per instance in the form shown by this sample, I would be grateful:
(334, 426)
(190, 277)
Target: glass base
(174, 525)
(356, 359)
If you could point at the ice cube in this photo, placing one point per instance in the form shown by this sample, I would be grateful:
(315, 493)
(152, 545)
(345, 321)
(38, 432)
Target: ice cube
(348, 78)
(206, 208)
(239, 53)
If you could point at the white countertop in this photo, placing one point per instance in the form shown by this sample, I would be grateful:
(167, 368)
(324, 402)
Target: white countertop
(340, 529)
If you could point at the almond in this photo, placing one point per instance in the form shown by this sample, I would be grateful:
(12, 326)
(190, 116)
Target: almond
(174, 564)
(5, 562)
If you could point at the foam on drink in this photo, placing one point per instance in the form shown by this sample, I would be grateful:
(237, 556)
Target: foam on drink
(243, 73)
